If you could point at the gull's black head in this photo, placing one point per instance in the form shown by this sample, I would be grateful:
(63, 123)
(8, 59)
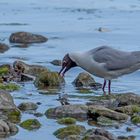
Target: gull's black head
(67, 64)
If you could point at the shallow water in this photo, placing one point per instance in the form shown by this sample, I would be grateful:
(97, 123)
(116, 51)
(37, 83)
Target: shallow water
(70, 26)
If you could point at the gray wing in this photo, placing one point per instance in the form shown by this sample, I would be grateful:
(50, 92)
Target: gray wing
(115, 59)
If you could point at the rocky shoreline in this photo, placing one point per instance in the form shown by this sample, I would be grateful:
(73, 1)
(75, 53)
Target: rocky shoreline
(99, 111)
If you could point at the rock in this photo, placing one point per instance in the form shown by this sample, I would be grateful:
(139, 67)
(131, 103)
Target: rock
(130, 109)
(4, 69)
(27, 106)
(73, 137)
(30, 124)
(63, 133)
(135, 119)
(3, 47)
(27, 77)
(101, 29)
(98, 134)
(66, 121)
(126, 138)
(7, 105)
(102, 111)
(9, 86)
(26, 38)
(7, 129)
(76, 111)
(38, 114)
(84, 79)
(104, 121)
(33, 70)
(129, 129)
(56, 62)
(128, 99)
(48, 79)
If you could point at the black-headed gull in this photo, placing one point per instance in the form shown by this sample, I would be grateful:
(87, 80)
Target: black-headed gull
(104, 62)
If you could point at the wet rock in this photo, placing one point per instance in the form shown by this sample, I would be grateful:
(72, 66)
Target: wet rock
(101, 29)
(8, 110)
(126, 138)
(26, 38)
(84, 79)
(7, 129)
(104, 121)
(129, 129)
(73, 137)
(27, 77)
(56, 62)
(63, 133)
(30, 124)
(33, 70)
(48, 79)
(3, 47)
(66, 121)
(4, 69)
(77, 111)
(130, 109)
(128, 99)
(27, 106)
(38, 114)
(102, 111)
(9, 86)
(98, 134)
(135, 119)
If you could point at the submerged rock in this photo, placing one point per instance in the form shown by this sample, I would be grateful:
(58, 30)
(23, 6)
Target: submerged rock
(7, 129)
(63, 133)
(85, 80)
(33, 70)
(48, 79)
(26, 38)
(76, 111)
(66, 121)
(30, 124)
(27, 106)
(101, 29)
(3, 47)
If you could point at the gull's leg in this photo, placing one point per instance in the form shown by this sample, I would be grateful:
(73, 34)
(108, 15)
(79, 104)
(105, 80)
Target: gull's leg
(103, 88)
(109, 87)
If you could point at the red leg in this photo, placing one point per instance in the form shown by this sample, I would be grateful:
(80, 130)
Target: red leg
(103, 88)
(109, 87)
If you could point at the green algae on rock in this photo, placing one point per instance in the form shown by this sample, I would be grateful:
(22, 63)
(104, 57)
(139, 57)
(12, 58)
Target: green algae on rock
(130, 109)
(66, 121)
(27, 106)
(4, 69)
(9, 86)
(30, 124)
(62, 133)
(135, 119)
(48, 79)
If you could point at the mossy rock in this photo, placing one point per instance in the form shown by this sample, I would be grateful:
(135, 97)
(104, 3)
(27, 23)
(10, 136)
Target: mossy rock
(130, 109)
(84, 90)
(14, 116)
(69, 130)
(30, 124)
(4, 69)
(104, 121)
(135, 119)
(66, 121)
(48, 79)
(9, 86)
